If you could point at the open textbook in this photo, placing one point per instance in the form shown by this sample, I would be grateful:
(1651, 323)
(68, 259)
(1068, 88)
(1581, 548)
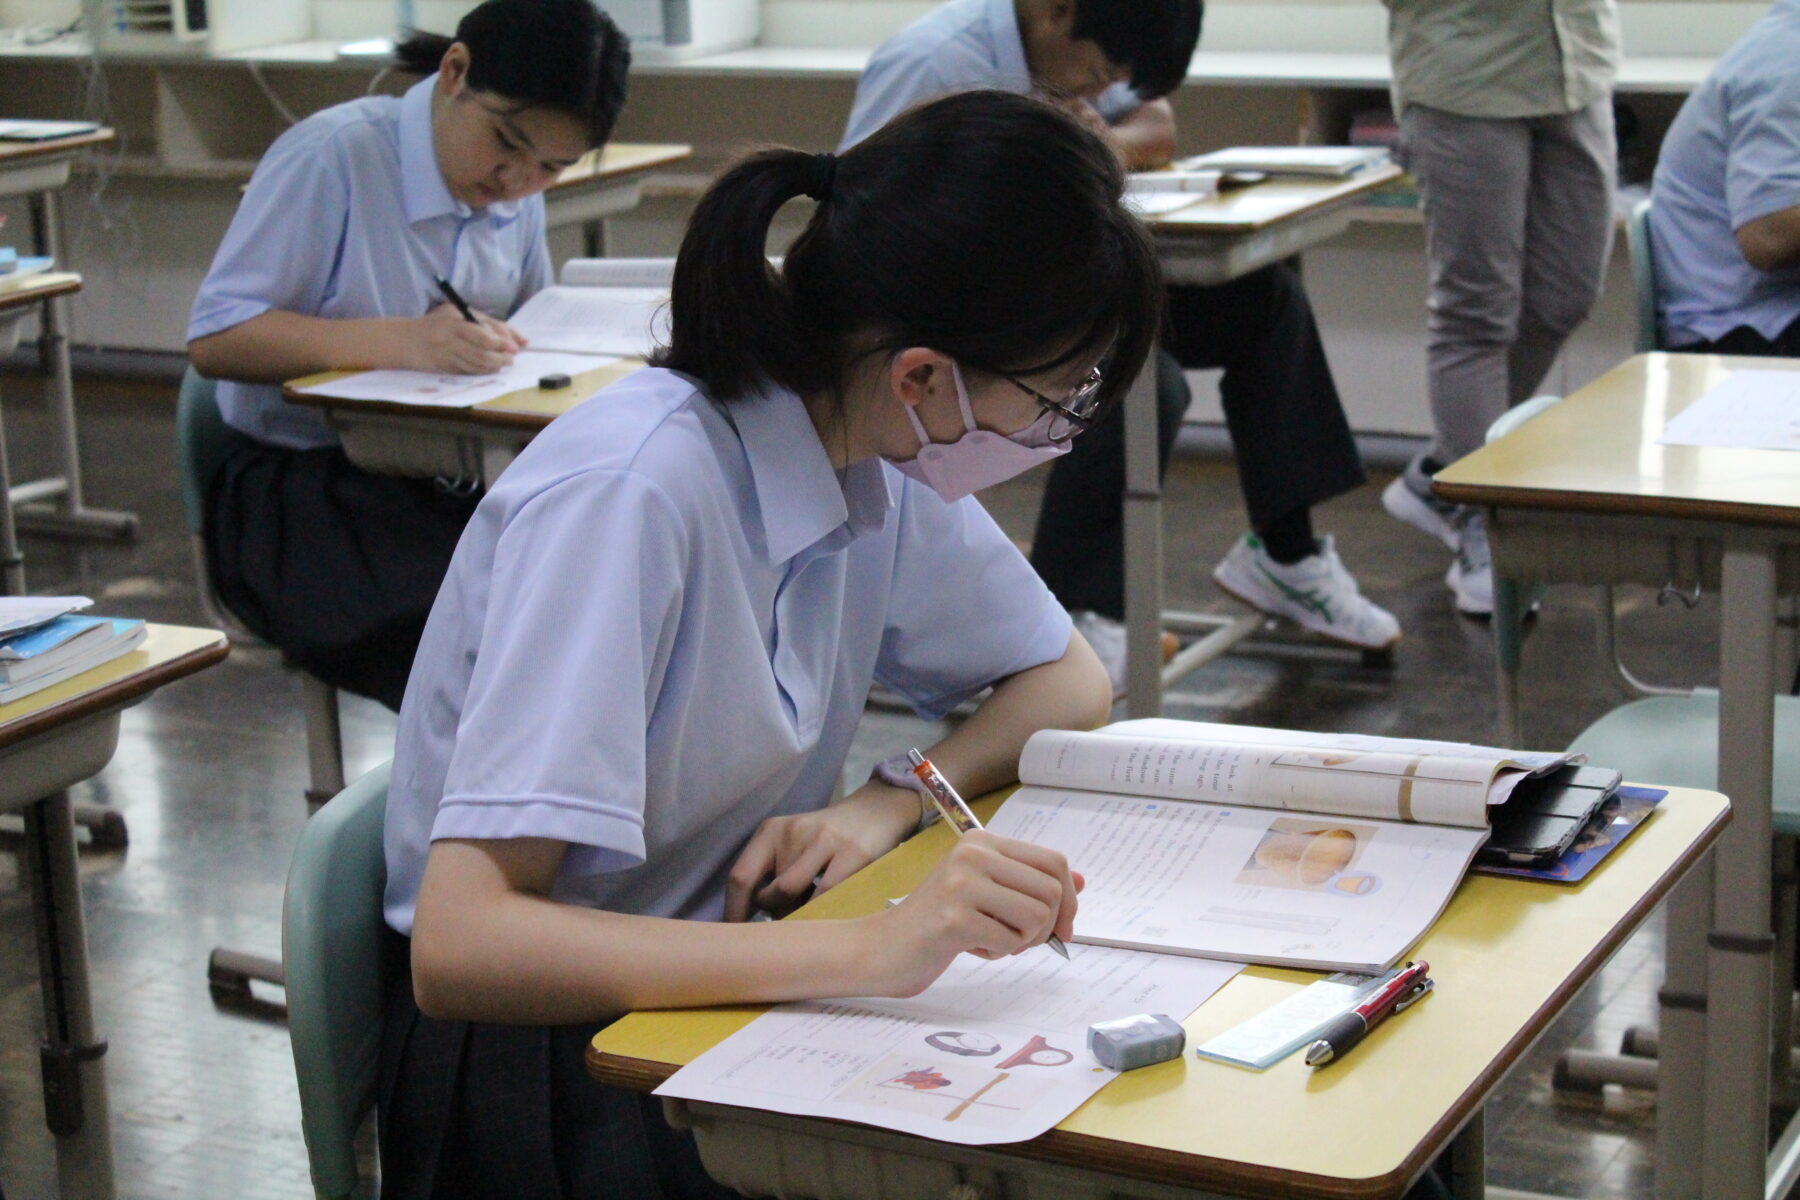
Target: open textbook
(1318, 851)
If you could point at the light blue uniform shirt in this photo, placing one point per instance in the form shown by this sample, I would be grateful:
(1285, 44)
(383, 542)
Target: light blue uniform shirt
(1732, 155)
(965, 45)
(348, 216)
(660, 629)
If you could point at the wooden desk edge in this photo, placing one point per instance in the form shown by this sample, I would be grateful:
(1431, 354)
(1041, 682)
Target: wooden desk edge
(18, 151)
(1160, 1166)
(27, 294)
(1334, 193)
(475, 413)
(1613, 503)
(116, 693)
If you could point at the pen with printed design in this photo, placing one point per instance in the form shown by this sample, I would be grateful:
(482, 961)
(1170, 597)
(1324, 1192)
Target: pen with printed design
(956, 814)
(1345, 1030)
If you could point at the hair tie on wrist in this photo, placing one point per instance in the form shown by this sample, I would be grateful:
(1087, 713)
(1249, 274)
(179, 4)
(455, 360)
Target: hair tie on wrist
(820, 174)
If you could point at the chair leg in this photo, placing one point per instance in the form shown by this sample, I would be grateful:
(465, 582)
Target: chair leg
(324, 740)
(229, 974)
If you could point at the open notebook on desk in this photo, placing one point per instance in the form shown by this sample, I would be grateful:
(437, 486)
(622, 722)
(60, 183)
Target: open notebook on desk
(1318, 851)
(568, 330)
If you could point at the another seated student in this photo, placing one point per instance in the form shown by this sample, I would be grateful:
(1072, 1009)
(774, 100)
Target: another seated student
(1112, 62)
(1725, 214)
(330, 263)
(639, 683)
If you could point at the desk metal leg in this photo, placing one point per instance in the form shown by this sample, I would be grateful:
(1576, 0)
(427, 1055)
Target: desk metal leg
(1143, 547)
(71, 517)
(76, 1107)
(12, 563)
(1509, 634)
(1741, 945)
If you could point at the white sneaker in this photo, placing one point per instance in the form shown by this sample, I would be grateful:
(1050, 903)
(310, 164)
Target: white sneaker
(1471, 576)
(1107, 637)
(1408, 498)
(1316, 593)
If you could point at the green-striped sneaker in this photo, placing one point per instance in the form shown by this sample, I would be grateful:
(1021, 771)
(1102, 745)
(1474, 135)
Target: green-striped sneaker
(1316, 593)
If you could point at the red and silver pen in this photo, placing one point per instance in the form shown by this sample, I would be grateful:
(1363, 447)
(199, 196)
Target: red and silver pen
(1346, 1029)
(956, 814)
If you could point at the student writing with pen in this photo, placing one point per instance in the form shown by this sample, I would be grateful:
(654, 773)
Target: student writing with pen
(331, 263)
(651, 652)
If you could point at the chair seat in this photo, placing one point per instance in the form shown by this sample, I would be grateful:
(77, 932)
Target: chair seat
(1674, 740)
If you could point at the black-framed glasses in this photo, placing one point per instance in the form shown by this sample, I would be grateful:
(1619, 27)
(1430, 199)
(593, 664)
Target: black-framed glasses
(1074, 413)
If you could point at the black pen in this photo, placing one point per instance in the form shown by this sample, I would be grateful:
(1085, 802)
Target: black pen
(462, 306)
(1346, 1029)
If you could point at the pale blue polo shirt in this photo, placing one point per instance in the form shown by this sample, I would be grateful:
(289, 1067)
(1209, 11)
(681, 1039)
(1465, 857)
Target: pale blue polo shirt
(1732, 155)
(960, 47)
(660, 629)
(348, 215)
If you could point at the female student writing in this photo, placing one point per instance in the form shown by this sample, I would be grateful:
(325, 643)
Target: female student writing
(639, 683)
(331, 263)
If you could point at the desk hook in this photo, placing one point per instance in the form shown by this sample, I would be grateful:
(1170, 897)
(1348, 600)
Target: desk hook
(1672, 593)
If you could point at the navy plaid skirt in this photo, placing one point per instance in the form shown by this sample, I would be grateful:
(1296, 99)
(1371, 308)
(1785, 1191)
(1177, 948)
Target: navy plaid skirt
(477, 1111)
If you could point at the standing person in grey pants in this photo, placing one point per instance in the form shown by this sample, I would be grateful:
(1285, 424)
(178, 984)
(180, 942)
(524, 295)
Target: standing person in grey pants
(1506, 125)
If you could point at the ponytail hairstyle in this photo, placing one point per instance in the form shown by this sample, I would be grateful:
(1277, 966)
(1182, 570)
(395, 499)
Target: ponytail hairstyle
(986, 226)
(564, 55)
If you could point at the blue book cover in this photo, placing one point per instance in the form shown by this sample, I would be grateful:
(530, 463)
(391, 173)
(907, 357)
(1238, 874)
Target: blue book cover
(47, 637)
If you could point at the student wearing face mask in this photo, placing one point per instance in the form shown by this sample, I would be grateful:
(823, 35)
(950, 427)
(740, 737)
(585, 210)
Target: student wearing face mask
(1110, 63)
(640, 680)
(331, 263)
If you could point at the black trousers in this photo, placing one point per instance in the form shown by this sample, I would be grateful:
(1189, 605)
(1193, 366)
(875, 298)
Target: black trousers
(1288, 431)
(335, 566)
(468, 1111)
(1745, 340)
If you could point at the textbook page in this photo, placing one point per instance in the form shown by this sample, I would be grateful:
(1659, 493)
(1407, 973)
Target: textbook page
(456, 391)
(1381, 784)
(1328, 893)
(1748, 410)
(992, 1052)
(628, 321)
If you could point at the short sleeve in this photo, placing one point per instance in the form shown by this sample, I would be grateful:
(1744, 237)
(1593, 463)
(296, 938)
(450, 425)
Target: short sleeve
(895, 81)
(584, 592)
(535, 270)
(965, 608)
(284, 243)
(1762, 162)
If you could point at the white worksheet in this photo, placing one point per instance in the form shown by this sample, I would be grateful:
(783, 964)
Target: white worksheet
(1156, 204)
(1750, 410)
(596, 320)
(457, 391)
(992, 1052)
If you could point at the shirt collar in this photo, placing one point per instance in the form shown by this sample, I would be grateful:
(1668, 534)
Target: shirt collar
(421, 182)
(802, 498)
(1009, 47)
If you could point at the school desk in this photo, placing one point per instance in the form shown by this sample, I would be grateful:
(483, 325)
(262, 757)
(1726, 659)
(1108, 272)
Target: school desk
(602, 184)
(50, 741)
(1214, 241)
(1508, 955)
(37, 171)
(1584, 494)
(28, 293)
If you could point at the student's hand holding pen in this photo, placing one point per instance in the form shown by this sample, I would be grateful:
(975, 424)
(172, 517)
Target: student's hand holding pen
(990, 896)
(447, 344)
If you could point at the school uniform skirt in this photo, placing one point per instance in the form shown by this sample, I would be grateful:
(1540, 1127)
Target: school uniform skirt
(333, 565)
(471, 1111)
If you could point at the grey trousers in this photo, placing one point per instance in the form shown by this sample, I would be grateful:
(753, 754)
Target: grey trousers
(1518, 227)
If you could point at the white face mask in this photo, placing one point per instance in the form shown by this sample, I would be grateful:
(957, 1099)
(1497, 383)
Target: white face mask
(978, 458)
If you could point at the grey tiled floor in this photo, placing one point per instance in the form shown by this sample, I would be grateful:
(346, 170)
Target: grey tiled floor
(210, 771)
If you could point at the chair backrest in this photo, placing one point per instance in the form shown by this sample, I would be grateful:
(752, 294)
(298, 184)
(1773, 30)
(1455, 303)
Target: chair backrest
(1643, 276)
(201, 441)
(332, 936)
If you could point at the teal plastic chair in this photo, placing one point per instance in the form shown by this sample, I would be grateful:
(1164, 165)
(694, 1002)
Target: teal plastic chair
(332, 937)
(1643, 277)
(202, 442)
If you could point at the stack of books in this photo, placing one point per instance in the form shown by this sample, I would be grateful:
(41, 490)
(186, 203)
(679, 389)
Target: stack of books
(47, 639)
